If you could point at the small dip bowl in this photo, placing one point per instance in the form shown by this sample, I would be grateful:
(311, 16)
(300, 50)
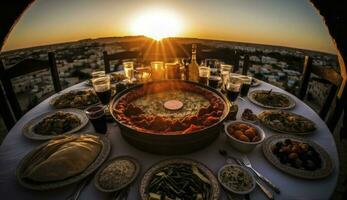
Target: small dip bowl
(229, 175)
(116, 169)
(247, 113)
(243, 144)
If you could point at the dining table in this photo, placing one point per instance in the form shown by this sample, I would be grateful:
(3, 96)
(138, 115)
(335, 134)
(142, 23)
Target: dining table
(15, 146)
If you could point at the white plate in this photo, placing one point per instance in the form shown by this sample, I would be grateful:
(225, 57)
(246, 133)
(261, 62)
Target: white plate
(231, 189)
(324, 171)
(130, 180)
(29, 132)
(290, 106)
(59, 95)
(266, 123)
(106, 148)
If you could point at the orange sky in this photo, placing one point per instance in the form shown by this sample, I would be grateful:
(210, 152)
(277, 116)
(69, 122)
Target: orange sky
(292, 23)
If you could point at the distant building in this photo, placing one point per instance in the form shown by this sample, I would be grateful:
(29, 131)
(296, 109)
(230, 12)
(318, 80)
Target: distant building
(254, 58)
(268, 60)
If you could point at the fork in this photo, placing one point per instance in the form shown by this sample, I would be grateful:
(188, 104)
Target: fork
(260, 185)
(248, 164)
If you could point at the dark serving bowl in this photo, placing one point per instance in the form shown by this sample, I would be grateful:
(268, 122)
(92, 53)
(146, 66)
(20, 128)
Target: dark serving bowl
(170, 144)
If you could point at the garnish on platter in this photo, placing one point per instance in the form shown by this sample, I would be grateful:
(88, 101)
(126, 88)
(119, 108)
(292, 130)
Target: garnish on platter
(297, 156)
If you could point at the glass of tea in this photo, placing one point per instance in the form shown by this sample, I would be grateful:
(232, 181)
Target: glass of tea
(204, 75)
(102, 88)
(129, 69)
(214, 81)
(173, 70)
(232, 89)
(246, 84)
(96, 115)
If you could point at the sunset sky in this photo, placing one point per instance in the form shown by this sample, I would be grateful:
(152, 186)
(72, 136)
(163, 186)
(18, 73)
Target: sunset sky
(292, 23)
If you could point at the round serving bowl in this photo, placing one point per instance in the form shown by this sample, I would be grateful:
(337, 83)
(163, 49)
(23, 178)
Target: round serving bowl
(245, 170)
(170, 144)
(239, 145)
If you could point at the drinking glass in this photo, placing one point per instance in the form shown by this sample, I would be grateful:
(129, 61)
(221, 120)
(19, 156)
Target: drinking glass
(157, 70)
(232, 90)
(102, 88)
(214, 81)
(96, 115)
(204, 75)
(98, 74)
(172, 70)
(129, 69)
(225, 71)
(246, 84)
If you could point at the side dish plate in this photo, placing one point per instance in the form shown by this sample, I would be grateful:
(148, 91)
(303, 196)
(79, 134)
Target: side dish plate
(29, 128)
(326, 166)
(134, 176)
(294, 123)
(106, 148)
(61, 96)
(215, 189)
(287, 106)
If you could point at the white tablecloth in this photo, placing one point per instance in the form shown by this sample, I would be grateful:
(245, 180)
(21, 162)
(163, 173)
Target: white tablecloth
(16, 146)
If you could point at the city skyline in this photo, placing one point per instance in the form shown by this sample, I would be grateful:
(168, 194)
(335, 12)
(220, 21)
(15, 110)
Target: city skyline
(284, 23)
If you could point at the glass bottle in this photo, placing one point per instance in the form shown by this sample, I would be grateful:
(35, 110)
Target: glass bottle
(193, 68)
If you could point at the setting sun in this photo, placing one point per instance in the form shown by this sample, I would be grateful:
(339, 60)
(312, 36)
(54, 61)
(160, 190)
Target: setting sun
(157, 24)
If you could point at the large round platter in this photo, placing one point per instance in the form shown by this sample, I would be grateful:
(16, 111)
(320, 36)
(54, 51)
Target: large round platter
(324, 171)
(106, 148)
(290, 105)
(262, 118)
(134, 176)
(215, 190)
(29, 132)
(174, 142)
(73, 93)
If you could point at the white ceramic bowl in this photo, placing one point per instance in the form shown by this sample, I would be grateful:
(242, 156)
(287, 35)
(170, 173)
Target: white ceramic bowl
(231, 189)
(241, 145)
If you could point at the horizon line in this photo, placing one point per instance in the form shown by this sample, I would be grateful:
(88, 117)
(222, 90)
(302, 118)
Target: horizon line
(219, 40)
